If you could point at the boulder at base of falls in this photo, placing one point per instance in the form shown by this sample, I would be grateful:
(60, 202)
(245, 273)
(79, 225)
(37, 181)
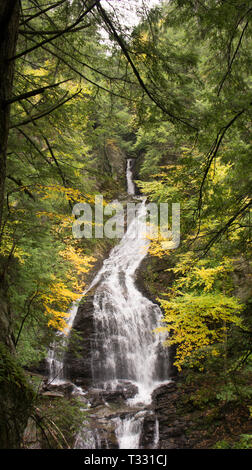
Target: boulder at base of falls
(62, 389)
(147, 439)
(121, 392)
(172, 427)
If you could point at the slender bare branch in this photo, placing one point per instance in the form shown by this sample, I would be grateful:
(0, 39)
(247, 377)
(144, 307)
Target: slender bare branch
(213, 152)
(44, 32)
(19, 183)
(226, 226)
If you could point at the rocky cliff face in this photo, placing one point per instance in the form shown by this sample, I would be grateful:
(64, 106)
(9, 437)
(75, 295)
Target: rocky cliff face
(78, 365)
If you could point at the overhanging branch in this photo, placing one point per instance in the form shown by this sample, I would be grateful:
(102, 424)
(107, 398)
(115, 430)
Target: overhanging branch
(45, 113)
(29, 94)
(60, 33)
(41, 12)
(123, 47)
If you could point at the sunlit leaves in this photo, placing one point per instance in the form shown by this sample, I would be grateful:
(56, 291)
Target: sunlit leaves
(196, 321)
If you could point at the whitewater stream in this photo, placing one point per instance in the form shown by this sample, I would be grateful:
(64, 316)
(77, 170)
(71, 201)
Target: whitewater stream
(126, 349)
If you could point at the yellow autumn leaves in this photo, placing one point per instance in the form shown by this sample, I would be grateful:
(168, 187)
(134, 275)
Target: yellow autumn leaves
(60, 297)
(62, 293)
(198, 310)
(197, 321)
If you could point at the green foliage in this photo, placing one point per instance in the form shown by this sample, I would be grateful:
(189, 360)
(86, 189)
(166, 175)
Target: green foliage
(177, 96)
(11, 374)
(198, 320)
(16, 395)
(61, 419)
(245, 442)
(197, 312)
(222, 445)
(199, 64)
(57, 156)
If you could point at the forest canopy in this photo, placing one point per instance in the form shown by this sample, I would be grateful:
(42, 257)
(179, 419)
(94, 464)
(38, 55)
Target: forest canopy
(81, 91)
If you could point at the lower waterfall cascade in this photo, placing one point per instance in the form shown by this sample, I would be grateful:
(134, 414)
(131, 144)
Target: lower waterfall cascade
(126, 350)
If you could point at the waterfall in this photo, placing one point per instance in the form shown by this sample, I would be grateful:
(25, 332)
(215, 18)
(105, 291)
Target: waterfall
(125, 348)
(128, 431)
(129, 177)
(55, 357)
(156, 434)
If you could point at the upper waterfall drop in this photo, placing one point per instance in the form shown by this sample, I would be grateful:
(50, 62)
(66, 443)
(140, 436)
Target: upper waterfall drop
(125, 347)
(131, 189)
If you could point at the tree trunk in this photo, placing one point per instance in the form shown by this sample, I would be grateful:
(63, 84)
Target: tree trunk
(15, 395)
(9, 19)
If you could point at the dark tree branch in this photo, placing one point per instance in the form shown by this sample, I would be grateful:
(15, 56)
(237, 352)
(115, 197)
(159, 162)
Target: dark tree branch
(84, 64)
(45, 113)
(44, 32)
(42, 11)
(25, 316)
(44, 157)
(210, 157)
(73, 69)
(55, 161)
(233, 58)
(68, 29)
(123, 47)
(29, 94)
(33, 144)
(213, 152)
(19, 183)
(226, 226)
(241, 19)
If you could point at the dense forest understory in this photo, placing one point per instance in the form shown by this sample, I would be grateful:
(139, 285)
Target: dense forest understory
(82, 90)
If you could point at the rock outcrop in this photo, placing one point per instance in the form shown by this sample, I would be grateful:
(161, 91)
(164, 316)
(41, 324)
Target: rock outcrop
(172, 427)
(78, 362)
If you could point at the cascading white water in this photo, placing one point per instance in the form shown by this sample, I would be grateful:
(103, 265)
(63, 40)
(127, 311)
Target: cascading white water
(125, 346)
(128, 431)
(129, 177)
(55, 357)
(156, 434)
